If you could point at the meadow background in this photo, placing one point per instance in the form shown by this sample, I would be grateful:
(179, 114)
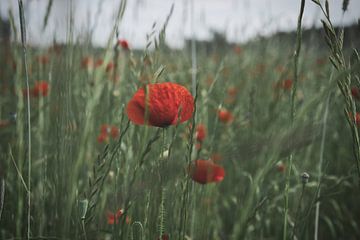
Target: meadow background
(72, 166)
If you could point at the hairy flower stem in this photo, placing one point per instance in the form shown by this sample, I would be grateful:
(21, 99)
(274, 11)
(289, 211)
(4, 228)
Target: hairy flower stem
(292, 115)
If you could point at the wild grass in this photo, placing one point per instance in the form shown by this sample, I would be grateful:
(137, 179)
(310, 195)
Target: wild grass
(76, 182)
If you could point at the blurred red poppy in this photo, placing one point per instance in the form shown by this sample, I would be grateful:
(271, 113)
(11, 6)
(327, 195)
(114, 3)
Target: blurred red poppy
(200, 132)
(109, 67)
(106, 131)
(164, 101)
(113, 218)
(280, 167)
(237, 49)
(4, 123)
(225, 116)
(102, 138)
(124, 44)
(42, 59)
(355, 92)
(286, 84)
(40, 88)
(87, 62)
(114, 132)
(164, 237)
(204, 171)
(99, 62)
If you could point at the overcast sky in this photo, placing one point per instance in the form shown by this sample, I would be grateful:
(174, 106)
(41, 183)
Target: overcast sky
(238, 19)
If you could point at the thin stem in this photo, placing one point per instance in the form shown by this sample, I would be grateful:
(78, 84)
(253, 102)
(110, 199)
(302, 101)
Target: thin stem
(292, 114)
(23, 42)
(297, 211)
(322, 147)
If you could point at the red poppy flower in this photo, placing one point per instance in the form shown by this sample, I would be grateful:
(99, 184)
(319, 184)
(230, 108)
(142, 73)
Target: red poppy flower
(203, 171)
(280, 167)
(232, 91)
(356, 118)
(4, 123)
(124, 44)
(225, 116)
(109, 67)
(286, 84)
(163, 103)
(105, 128)
(164, 237)
(87, 62)
(40, 89)
(106, 131)
(102, 138)
(355, 92)
(99, 62)
(237, 49)
(114, 132)
(113, 218)
(200, 132)
(42, 59)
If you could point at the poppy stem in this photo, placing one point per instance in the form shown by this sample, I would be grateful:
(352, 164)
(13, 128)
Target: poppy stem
(23, 42)
(292, 115)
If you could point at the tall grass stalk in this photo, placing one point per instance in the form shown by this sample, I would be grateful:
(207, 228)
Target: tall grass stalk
(292, 114)
(321, 160)
(335, 43)
(193, 48)
(23, 42)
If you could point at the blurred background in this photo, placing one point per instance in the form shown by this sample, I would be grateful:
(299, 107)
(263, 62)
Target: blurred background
(237, 20)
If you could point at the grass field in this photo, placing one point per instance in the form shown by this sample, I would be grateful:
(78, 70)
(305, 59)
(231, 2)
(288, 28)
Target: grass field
(278, 116)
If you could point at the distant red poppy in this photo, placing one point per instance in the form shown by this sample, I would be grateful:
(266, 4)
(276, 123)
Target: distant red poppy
(113, 218)
(40, 88)
(87, 62)
(114, 132)
(4, 123)
(163, 103)
(355, 92)
(124, 44)
(106, 131)
(42, 59)
(200, 133)
(204, 171)
(109, 67)
(99, 62)
(232, 91)
(321, 61)
(225, 116)
(164, 237)
(280, 167)
(237, 49)
(102, 138)
(356, 118)
(286, 84)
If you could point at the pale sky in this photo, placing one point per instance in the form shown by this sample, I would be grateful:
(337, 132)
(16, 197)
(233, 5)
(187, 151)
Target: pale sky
(240, 20)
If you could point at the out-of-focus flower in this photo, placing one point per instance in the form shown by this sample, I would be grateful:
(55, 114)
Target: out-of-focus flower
(225, 116)
(41, 88)
(107, 131)
(43, 59)
(113, 218)
(124, 44)
(355, 92)
(204, 171)
(200, 133)
(280, 167)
